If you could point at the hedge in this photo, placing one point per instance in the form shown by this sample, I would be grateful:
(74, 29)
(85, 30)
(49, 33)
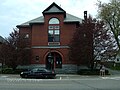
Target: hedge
(91, 72)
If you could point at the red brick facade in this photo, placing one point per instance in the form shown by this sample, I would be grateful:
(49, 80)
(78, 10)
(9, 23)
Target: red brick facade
(37, 31)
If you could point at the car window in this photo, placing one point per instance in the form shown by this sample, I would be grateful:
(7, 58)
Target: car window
(34, 70)
(47, 70)
(41, 70)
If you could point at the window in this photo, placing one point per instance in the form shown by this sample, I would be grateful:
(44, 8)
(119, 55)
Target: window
(37, 58)
(27, 36)
(53, 30)
(53, 21)
(58, 62)
(50, 27)
(57, 27)
(34, 70)
(57, 32)
(53, 35)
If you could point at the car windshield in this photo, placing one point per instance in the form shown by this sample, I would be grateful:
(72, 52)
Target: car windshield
(39, 69)
(35, 70)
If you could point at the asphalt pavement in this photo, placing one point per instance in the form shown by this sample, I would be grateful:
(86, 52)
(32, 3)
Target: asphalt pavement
(114, 74)
(62, 82)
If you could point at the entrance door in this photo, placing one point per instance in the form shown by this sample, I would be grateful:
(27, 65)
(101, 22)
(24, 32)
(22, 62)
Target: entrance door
(53, 60)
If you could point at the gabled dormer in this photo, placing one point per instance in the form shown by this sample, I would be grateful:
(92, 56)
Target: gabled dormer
(54, 9)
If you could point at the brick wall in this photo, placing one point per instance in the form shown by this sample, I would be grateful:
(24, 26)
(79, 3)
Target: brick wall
(39, 37)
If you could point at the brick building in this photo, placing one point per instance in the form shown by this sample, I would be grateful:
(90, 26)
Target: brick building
(48, 38)
(2, 40)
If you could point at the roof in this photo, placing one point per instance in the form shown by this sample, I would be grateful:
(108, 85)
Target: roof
(53, 8)
(36, 20)
(72, 18)
(69, 18)
(2, 39)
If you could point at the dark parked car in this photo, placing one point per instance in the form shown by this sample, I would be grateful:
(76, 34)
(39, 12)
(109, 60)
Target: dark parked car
(38, 73)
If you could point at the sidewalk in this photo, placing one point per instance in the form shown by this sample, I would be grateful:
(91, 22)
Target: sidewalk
(58, 76)
(113, 73)
(75, 76)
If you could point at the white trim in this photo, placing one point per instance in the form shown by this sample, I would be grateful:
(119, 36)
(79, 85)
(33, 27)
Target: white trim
(50, 47)
(53, 43)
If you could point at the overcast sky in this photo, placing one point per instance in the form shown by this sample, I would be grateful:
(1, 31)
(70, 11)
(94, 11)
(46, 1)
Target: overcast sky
(15, 12)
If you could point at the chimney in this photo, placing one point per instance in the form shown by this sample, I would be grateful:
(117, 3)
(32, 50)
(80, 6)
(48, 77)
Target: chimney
(85, 16)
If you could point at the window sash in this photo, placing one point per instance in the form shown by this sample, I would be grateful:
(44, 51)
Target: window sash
(53, 33)
(56, 32)
(56, 27)
(50, 39)
(54, 21)
(51, 27)
(50, 32)
(56, 38)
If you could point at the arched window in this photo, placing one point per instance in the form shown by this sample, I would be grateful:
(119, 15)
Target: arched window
(54, 21)
(54, 30)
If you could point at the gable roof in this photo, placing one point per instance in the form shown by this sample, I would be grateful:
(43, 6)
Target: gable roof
(72, 18)
(53, 8)
(68, 18)
(36, 20)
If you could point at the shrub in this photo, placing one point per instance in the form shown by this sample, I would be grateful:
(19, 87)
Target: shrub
(91, 72)
(11, 71)
(7, 71)
(116, 68)
(18, 71)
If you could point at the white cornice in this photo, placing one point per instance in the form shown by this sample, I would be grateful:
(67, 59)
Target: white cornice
(50, 47)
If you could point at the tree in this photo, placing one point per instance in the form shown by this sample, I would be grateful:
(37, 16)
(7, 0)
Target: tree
(110, 14)
(4, 54)
(14, 51)
(81, 46)
(104, 44)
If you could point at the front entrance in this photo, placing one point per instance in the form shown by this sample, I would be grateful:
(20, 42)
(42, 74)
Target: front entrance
(53, 60)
